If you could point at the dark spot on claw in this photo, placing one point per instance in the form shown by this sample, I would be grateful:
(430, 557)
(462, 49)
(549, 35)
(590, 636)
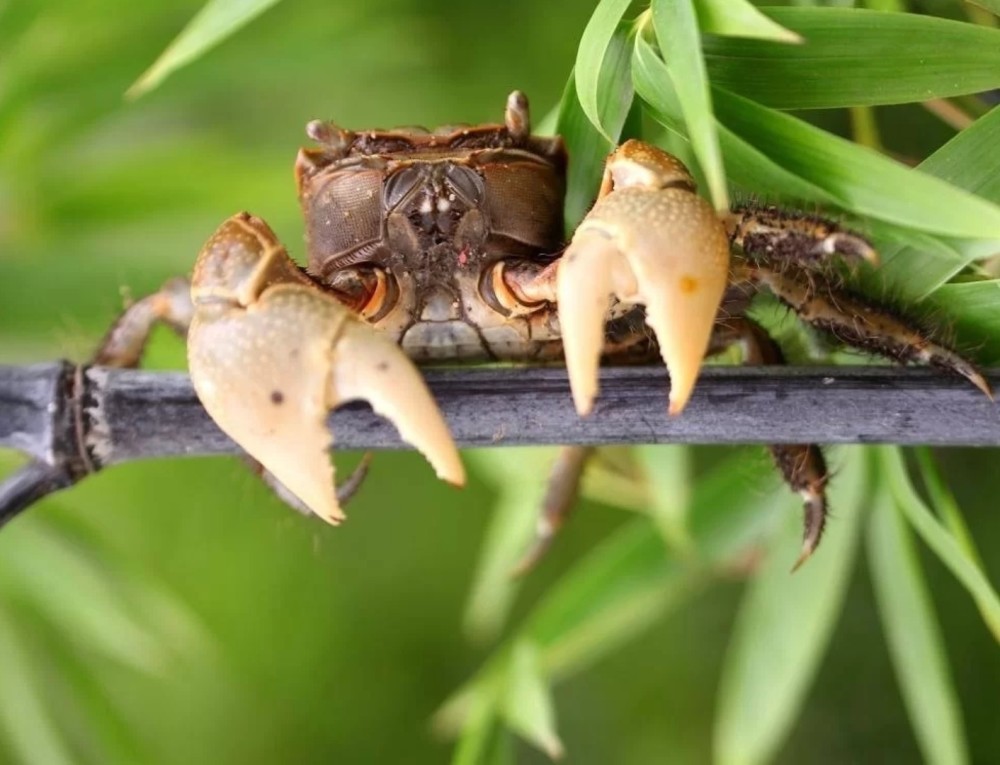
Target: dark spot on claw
(277, 397)
(382, 366)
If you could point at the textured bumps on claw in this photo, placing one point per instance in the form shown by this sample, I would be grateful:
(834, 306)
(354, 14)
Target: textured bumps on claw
(270, 354)
(650, 240)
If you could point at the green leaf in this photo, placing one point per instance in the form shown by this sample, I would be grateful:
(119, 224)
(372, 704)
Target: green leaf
(29, 730)
(863, 180)
(509, 534)
(784, 626)
(632, 580)
(668, 471)
(990, 5)
(913, 637)
(679, 40)
(216, 21)
(628, 583)
(747, 167)
(477, 727)
(936, 537)
(588, 149)
(968, 161)
(970, 310)
(528, 707)
(911, 57)
(739, 18)
(948, 510)
(602, 68)
(80, 598)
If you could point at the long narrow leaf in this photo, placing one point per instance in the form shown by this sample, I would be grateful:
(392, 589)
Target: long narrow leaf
(912, 57)
(864, 181)
(948, 510)
(679, 39)
(216, 21)
(971, 309)
(936, 537)
(599, 58)
(914, 638)
(528, 707)
(968, 161)
(740, 18)
(746, 166)
(784, 626)
(627, 584)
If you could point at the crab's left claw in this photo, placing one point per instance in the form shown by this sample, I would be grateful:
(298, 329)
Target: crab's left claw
(649, 239)
(270, 354)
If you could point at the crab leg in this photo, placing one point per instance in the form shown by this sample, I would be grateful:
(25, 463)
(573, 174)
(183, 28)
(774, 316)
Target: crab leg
(802, 465)
(784, 236)
(270, 354)
(126, 340)
(860, 325)
(651, 240)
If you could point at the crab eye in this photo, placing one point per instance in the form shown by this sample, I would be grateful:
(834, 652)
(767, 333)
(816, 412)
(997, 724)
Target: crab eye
(369, 290)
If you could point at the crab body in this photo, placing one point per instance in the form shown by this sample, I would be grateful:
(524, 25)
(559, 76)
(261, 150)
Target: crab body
(408, 225)
(447, 246)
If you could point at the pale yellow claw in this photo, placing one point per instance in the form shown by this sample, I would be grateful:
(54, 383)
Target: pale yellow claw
(648, 240)
(370, 366)
(270, 355)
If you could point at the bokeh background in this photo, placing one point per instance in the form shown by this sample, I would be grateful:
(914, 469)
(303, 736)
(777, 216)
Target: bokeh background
(173, 611)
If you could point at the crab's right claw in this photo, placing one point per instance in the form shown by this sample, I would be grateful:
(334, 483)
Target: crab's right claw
(270, 354)
(650, 240)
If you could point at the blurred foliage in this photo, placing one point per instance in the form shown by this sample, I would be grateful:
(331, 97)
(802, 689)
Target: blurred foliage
(174, 612)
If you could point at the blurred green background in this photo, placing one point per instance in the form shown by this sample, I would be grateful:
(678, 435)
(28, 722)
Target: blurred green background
(174, 612)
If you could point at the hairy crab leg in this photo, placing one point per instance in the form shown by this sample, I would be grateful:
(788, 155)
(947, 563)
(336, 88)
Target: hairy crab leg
(784, 236)
(858, 324)
(270, 354)
(802, 465)
(560, 498)
(125, 342)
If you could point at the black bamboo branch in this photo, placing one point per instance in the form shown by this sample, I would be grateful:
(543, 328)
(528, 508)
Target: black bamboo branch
(73, 420)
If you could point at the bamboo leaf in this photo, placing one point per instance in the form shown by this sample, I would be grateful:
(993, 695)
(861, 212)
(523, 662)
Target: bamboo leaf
(784, 626)
(740, 18)
(990, 5)
(679, 40)
(630, 581)
(602, 69)
(528, 707)
(668, 471)
(29, 731)
(217, 20)
(477, 727)
(968, 161)
(863, 181)
(913, 636)
(970, 309)
(911, 57)
(948, 510)
(507, 538)
(936, 537)
(747, 167)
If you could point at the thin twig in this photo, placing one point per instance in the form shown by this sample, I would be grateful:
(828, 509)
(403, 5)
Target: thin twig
(73, 420)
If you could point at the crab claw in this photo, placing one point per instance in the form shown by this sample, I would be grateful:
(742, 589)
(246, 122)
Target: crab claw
(648, 240)
(270, 354)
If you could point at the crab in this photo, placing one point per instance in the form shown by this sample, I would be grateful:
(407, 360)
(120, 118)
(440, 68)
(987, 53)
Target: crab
(447, 245)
